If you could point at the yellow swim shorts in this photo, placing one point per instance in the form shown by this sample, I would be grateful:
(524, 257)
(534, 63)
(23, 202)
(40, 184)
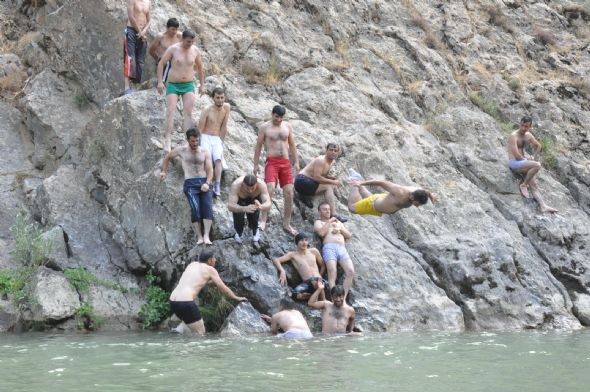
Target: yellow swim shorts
(365, 206)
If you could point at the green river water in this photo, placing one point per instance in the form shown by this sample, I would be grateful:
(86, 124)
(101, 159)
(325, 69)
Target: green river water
(524, 361)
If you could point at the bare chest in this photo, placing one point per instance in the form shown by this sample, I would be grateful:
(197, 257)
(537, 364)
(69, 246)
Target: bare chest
(277, 134)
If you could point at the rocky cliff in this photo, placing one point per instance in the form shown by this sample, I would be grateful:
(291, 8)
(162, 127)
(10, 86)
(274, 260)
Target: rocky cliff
(418, 92)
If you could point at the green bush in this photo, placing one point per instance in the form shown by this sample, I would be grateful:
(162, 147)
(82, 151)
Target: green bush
(215, 308)
(80, 278)
(157, 306)
(547, 153)
(30, 248)
(87, 319)
(7, 283)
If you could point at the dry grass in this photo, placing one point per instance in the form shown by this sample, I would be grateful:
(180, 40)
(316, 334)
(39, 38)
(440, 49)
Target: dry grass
(342, 46)
(13, 81)
(544, 37)
(415, 89)
(432, 41)
(419, 21)
(482, 70)
(575, 11)
(269, 76)
(337, 66)
(272, 74)
(498, 18)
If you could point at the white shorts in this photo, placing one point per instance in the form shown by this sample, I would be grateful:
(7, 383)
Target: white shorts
(214, 145)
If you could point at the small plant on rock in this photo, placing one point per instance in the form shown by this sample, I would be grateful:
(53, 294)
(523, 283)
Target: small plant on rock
(547, 152)
(544, 37)
(31, 249)
(157, 307)
(87, 319)
(215, 308)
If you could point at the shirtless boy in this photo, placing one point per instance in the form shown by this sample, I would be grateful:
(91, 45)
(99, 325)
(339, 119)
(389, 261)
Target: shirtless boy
(306, 261)
(337, 316)
(163, 42)
(135, 42)
(397, 197)
(529, 168)
(184, 57)
(334, 235)
(248, 195)
(213, 126)
(196, 164)
(313, 179)
(289, 320)
(277, 138)
(193, 279)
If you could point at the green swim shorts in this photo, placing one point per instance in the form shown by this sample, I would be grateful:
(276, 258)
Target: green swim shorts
(180, 88)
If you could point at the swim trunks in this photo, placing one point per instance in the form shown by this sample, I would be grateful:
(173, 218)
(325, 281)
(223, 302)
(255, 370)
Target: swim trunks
(187, 311)
(165, 71)
(305, 186)
(180, 88)
(366, 207)
(335, 252)
(296, 335)
(516, 164)
(214, 145)
(201, 202)
(134, 51)
(278, 169)
(306, 286)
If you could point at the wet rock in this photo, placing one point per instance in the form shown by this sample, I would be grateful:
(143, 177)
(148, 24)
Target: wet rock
(244, 320)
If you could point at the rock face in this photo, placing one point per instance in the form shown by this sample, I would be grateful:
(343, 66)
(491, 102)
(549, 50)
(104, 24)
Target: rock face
(54, 297)
(244, 320)
(421, 94)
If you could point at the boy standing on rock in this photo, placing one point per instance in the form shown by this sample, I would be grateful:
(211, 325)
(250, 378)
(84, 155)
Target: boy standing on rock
(135, 41)
(196, 164)
(184, 57)
(518, 162)
(213, 126)
(248, 196)
(277, 138)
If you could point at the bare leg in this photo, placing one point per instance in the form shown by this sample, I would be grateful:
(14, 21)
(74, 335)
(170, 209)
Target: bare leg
(328, 191)
(197, 229)
(197, 327)
(288, 196)
(349, 275)
(264, 214)
(207, 226)
(218, 170)
(171, 100)
(537, 196)
(358, 192)
(126, 84)
(332, 272)
(188, 101)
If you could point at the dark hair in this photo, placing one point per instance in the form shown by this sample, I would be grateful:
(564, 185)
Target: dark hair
(526, 120)
(337, 291)
(301, 236)
(331, 144)
(421, 196)
(323, 203)
(194, 131)
(188, 34)
(280, 110)
(250, 179)
(172, 22)
(205, 256)
(217, 91)
(286, 304)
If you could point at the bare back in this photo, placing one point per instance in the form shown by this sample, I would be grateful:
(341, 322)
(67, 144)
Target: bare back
(193, 279)
(306, 264)
(193, 162)
(139, 10)
(182, 63)
(290, 320)
(336, 319)
(276, 139)
(213, 119)
(394, 200)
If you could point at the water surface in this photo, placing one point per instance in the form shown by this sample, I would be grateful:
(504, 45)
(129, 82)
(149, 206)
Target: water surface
(525, 361)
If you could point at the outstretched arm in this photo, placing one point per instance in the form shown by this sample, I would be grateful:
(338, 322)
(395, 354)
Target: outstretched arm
(223, 288)
(313, 300)
(171, 155)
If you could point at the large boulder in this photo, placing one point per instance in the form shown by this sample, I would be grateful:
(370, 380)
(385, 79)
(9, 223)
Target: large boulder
(244, 320)
(53, 298)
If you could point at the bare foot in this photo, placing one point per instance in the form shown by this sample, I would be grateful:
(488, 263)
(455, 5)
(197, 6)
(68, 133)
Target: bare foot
(262, 225)
(200, 241)
(290, 230)
(524, 190)
(548, 209)
(208, 241)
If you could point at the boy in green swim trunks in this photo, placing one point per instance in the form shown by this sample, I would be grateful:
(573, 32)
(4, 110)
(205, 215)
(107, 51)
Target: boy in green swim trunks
(184, 57)
(397, 197)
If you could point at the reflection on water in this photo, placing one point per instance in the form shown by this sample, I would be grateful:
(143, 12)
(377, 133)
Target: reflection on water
(526, 361)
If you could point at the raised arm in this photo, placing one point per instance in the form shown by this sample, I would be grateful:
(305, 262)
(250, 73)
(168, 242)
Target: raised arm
(258, 149)
(223, 288)
(321, 228)
(282, 274)
(293, 148)
(313, 300)
(386, 185)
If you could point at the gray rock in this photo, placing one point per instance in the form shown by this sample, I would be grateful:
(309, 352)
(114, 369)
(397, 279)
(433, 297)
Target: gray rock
(244, 320)
(53, 297)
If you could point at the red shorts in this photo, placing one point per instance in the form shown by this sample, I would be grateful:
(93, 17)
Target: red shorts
(278, 169)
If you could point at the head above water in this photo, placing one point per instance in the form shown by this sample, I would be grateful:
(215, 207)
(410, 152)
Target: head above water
(419, 197)
(207, 256)
(301, 236)
(337, 293)
(286, 304)
(172, 22)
